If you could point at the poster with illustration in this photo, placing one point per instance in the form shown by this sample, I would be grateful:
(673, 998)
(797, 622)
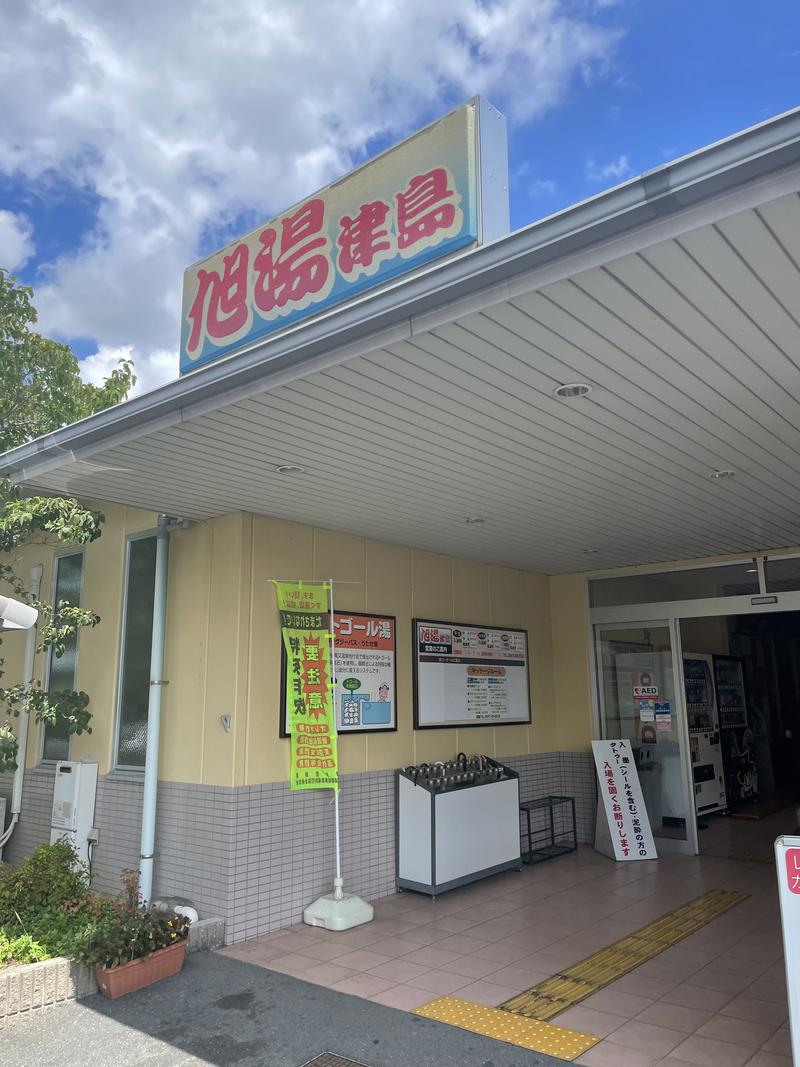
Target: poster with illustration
(366, 674)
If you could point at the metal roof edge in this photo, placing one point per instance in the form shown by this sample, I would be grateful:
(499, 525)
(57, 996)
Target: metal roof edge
(717, 169)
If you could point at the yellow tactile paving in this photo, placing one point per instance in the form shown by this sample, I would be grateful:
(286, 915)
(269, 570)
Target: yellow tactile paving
(575, 983)
(515, 1029)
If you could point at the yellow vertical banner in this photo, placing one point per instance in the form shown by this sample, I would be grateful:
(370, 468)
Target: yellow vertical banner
(306, 629)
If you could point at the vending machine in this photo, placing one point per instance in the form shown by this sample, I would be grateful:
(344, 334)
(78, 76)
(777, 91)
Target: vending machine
(738, 742)
(705, 748)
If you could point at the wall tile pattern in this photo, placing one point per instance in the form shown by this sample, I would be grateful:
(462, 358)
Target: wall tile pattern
(257, 855)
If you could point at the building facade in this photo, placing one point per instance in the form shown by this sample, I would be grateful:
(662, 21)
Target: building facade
(611, 389)
(230, 834)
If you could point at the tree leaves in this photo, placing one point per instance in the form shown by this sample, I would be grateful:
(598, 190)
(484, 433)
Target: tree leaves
(40, 391)
(40, 384)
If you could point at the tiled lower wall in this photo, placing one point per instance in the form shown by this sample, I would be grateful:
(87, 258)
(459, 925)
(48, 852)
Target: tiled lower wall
(257, 855)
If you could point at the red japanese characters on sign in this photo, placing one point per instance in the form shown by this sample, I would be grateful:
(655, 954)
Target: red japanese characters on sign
(290, 265)
(428, 205)
(623, 802)
(293, 269)
(439, 192)
(793, 869)
(363, 631)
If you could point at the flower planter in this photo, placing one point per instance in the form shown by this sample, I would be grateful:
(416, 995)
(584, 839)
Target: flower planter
(128, 977)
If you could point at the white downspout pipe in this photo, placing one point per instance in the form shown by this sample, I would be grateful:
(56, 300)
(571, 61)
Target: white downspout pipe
(22, 733)
(148, 837)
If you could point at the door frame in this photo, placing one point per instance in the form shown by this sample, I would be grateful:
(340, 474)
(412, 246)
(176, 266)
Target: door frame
(690, 846)
(671, 613)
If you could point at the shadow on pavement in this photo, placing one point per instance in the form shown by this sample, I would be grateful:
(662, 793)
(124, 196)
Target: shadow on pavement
(225, 1012)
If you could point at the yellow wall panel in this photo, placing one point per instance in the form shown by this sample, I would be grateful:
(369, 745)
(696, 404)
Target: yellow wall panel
(506, 592)
(98, 649)
(471, 599)
(184, 699)
(223, 643)
(221, 653)
(483, 739)
(352, 753)
(432, 586)
(388, 589)
(538, 622)
(340, 557)
(279, 550)
(571, 662)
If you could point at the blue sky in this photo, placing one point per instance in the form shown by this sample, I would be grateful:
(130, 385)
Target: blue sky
(685, 74)
(144, 142)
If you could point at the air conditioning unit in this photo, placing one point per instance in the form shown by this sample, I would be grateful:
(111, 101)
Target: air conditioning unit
(73, 805)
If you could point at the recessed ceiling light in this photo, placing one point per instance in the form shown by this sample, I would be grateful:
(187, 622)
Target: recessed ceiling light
(290, 468)
(474, 520)
(590, 551)
(572, 390)
(718, 475)
(751, 570)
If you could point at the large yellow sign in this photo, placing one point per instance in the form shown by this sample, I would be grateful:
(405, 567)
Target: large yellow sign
(305, 625)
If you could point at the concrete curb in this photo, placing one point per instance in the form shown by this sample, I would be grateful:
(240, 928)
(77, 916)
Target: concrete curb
(26, 989)
(31, 986)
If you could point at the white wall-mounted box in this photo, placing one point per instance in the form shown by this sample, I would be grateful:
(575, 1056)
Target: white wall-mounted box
(74, 793)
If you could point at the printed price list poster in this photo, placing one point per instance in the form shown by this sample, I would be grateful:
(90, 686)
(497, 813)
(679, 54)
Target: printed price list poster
(470, 675)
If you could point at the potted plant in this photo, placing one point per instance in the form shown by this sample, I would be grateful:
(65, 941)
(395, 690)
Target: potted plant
(131, 947)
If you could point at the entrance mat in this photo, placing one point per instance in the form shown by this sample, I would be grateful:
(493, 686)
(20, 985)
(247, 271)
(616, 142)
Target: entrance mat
(745, 857)
(575, 983)
(525, 1033)
(330, 1059)
(760, 809)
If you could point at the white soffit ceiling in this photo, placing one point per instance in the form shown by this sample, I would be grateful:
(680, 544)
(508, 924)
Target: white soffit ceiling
(692, 349)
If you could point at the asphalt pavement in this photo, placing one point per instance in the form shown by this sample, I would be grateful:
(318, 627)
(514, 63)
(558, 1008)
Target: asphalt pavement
(225, 1012)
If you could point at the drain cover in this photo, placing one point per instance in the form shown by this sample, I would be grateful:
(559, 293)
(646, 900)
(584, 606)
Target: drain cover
(330, 1059)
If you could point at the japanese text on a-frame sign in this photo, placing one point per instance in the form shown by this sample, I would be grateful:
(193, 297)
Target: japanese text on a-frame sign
(623, 801)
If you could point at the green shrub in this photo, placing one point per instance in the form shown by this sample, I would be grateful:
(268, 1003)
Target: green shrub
(51, 878)
(22, 949)
(126, 936)
(46, 910)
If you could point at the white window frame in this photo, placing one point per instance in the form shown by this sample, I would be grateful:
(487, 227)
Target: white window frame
(125, 769)
(43, 761)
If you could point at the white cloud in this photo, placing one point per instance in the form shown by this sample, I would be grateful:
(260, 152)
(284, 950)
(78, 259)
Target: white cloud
(615, 169)
(181, 121)
(543, 187)
(16, 240)
(153, 368)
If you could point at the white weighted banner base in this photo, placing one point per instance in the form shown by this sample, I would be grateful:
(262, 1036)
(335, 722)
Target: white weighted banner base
(339, 911)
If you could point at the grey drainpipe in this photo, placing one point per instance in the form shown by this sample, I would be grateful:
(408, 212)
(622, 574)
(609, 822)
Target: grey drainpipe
(157, 683)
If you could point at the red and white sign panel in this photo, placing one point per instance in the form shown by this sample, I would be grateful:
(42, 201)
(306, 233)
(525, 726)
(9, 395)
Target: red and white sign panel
(787, 861)
(623, 801)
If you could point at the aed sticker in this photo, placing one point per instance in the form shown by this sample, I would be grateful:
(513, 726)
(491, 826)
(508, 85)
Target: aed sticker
(645, 689)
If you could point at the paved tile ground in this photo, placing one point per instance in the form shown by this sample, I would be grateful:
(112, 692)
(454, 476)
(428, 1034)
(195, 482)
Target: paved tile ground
(717, 998)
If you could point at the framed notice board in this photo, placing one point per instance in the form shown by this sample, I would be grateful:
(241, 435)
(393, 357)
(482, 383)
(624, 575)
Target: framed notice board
(467, 675)
(366, 674)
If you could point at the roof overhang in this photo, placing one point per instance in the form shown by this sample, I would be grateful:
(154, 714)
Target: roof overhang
(431, 401)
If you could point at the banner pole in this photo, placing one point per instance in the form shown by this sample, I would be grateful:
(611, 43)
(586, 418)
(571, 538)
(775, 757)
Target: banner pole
(338, 883)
